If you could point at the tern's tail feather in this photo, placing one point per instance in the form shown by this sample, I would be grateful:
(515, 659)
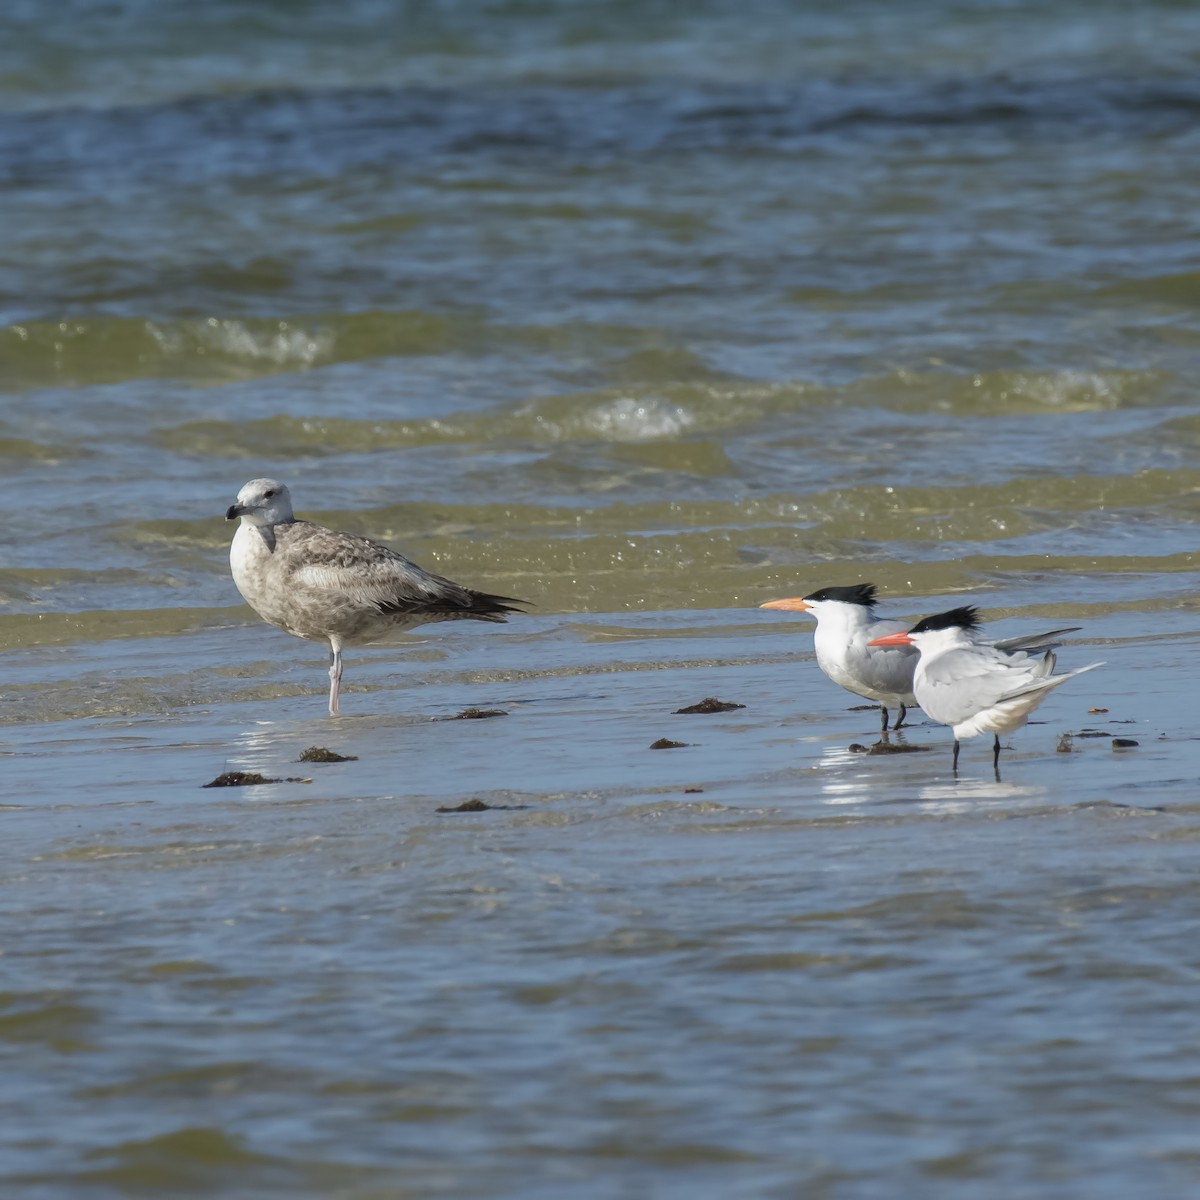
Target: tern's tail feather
(1012, 710)
(1044, 683)
(1081, 670)
(1049, 682)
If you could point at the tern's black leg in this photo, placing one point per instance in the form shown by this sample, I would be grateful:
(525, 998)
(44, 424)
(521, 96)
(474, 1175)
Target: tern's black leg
(956, 756)
(996, 753)
(900, 718)
(883, 710)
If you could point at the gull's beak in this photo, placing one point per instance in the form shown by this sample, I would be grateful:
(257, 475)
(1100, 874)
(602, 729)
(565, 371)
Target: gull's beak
(796, 605)
(234, 511)
(893, 639)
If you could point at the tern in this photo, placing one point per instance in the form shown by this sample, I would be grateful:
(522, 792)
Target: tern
(847, 626)
(973, 685)
(340, 588)
(846, 623)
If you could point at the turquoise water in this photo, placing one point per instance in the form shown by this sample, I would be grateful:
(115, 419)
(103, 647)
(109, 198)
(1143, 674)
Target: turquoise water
(648, 314)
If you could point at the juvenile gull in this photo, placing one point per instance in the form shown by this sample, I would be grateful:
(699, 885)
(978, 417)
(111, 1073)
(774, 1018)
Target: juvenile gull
(327, 586)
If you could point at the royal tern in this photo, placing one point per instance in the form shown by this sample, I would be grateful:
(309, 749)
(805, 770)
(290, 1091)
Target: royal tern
(972, 685)
(847, 626)
(340, 588)
(846, 623)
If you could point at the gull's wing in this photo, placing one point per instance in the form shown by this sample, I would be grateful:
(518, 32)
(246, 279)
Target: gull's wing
(366, 574)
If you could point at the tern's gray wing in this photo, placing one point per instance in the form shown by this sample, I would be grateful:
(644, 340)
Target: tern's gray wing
(1050, 640)
(365, 574)
(966, 680)
(886, 669)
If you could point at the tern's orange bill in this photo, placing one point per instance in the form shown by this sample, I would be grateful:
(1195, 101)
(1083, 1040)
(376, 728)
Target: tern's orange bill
(893, 639)
(796, 605)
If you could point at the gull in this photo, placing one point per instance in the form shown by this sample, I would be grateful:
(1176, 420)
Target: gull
(972, 685)
(847, 625)
(334, 587)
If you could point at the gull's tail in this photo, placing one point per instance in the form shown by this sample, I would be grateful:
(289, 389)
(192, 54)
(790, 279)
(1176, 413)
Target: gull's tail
(486, 607)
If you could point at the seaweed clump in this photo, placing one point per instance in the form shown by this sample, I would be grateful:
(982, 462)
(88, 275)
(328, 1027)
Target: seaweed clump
(886, 748)
(465, 806)
(319, 754)
(710, 704)
(240, 779)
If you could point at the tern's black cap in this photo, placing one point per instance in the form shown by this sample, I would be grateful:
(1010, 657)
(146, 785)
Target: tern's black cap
(966, 617)
(859, 593)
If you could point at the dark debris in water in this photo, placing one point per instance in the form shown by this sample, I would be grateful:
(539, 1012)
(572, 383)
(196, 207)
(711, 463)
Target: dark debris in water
(863, 708)
(476, 714)
(710, 704)
(1091, 733)
(666, 744)
(475, 805)
(1124, 743)
(886, 748)
(249, 779)
(692, 791)
(319, 754)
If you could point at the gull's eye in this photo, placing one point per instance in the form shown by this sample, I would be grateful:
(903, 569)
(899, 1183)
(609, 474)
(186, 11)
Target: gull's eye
(269, 495)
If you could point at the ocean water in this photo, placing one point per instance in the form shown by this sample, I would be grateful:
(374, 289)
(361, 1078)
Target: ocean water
(647, 313)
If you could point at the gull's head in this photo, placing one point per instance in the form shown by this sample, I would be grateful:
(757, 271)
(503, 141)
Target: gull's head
(262, 502)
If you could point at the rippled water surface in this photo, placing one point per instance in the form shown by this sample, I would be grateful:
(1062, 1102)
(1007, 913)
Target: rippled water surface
(649, 313)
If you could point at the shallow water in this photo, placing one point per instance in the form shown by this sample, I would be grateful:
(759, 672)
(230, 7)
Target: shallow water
(648, 316)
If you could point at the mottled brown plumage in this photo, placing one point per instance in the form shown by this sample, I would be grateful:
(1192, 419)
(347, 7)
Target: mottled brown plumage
(341, 588)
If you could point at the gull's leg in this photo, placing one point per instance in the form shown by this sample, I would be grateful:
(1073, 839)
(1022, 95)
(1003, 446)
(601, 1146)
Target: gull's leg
(996, 752)
(956, 756)
(883, 710)
(335, 674)
(900, 718)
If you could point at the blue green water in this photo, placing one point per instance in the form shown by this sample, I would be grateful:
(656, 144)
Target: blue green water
(648, 313)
